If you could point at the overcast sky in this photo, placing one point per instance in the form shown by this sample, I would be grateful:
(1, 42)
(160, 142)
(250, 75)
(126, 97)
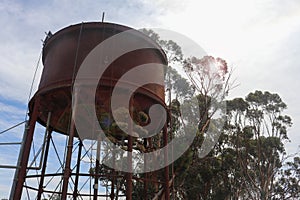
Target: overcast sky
(259, 38)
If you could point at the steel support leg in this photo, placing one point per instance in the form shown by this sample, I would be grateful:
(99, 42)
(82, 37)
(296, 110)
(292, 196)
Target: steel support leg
(166, 170)
(75, 193)
(67, 171)
(129, 157)
(97, 168)
(41, 185)
(17, 194)
(48, 134)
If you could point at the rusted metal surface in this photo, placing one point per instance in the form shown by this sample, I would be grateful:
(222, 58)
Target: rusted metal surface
(63, 54)
(75, 193)
(41, 184)
(26, 152)
(67, 169)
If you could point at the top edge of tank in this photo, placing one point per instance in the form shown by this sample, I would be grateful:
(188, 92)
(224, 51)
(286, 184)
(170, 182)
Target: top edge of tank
(90, 25)
(73, 27)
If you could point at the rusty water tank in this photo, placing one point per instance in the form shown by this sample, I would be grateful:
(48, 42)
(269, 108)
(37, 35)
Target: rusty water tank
(63, 53)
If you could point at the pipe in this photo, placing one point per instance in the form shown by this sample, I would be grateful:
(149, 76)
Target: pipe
(96, 180)
(11, 143)
(75, 193)
(67, 170)
(166, 183)
(41, 185)
(9, 167)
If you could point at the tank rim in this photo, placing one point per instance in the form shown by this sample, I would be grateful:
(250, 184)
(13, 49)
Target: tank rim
(74, 27)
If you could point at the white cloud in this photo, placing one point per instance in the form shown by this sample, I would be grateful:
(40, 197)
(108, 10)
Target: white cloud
(260, 39)
(6, 180)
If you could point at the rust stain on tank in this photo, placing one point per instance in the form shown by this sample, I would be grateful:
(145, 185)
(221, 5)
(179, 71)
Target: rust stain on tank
(63, 54)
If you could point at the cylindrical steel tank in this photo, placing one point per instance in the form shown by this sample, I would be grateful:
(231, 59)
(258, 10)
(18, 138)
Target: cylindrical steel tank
(63, 53)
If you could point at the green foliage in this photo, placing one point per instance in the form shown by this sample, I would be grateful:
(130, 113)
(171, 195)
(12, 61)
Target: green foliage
(173, 80)
(248, 160)
(178, 84)
(172, 49)
(248, 157)
(288, 184)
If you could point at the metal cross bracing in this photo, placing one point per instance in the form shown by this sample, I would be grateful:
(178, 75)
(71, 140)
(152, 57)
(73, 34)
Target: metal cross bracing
(68, 167)
(46, 181)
